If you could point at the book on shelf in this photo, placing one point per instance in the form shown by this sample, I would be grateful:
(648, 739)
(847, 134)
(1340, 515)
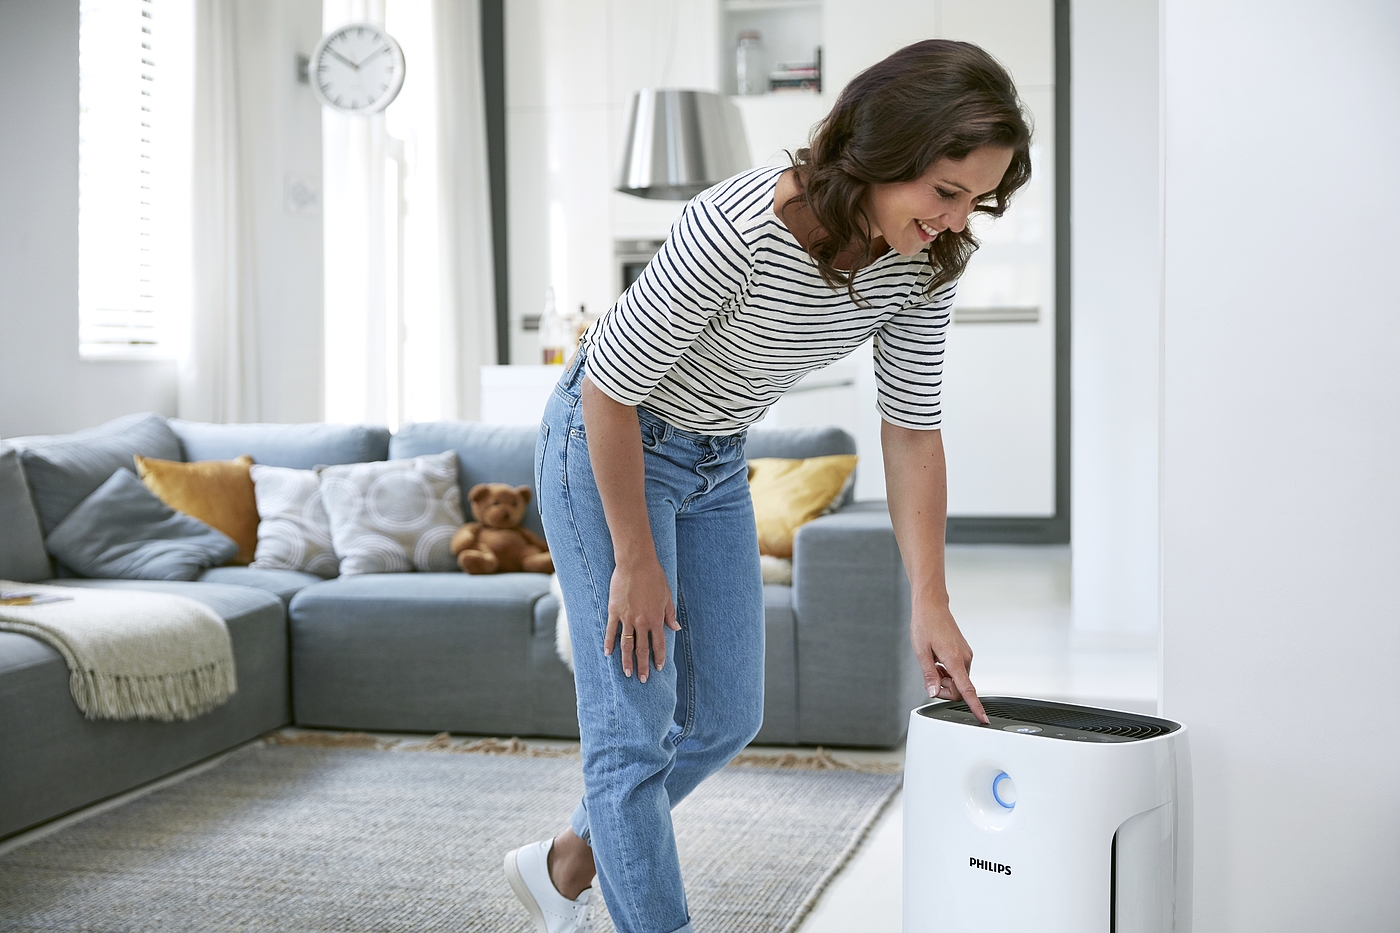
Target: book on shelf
(797, 76)
(791, 85)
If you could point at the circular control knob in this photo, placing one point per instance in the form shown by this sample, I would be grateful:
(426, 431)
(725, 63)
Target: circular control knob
(1004, 790)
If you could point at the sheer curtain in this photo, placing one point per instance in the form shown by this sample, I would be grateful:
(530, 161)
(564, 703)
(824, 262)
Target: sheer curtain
(469, 286)
(408, 291)
(219, 366)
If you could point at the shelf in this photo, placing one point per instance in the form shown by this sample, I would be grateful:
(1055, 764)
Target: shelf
(790, 31)
(778, 95)
(754, 6)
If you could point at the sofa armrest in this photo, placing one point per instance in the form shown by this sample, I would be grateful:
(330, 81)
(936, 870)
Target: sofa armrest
(856, 674)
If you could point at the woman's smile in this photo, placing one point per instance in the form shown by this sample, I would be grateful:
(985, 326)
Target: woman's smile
(937, 201)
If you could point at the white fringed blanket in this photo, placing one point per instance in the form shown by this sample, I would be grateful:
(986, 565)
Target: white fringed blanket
(131, 655)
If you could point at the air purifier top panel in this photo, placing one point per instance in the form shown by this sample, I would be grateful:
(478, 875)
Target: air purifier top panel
(1046, 719)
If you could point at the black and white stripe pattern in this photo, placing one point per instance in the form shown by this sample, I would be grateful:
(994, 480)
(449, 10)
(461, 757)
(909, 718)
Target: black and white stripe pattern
(732, 312)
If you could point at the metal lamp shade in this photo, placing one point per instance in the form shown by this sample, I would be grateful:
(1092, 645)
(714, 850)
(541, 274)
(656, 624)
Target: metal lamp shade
(679, 143)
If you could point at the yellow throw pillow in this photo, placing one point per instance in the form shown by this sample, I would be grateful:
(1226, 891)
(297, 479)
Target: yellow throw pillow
(790, 493)
(217, 492)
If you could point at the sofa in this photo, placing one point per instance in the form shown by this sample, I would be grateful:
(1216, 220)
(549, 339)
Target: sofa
(414, 652)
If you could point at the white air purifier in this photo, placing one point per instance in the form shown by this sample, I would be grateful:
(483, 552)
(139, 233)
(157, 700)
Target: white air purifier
(1053, 819)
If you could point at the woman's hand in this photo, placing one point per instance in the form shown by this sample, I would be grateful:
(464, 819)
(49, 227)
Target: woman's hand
(944, 656)
(916, 486)
(641, 609)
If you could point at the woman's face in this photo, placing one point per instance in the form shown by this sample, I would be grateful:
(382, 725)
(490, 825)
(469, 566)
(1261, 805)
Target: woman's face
(910, 214)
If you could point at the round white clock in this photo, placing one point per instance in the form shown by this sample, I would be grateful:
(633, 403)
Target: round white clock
(357, 68)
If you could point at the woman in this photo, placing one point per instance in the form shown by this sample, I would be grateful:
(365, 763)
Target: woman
(640, 463)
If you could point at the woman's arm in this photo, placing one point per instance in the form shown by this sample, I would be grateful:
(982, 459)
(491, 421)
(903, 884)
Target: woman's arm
(916, 484)
(639, 598)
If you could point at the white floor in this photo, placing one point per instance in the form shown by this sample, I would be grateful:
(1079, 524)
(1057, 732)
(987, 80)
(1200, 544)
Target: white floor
(1013, 604)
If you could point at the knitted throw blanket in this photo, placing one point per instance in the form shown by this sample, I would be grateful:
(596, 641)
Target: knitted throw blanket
(131, 655)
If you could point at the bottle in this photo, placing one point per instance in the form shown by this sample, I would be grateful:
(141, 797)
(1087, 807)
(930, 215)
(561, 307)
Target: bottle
(749, 69)
(552, 332)
(574, 328)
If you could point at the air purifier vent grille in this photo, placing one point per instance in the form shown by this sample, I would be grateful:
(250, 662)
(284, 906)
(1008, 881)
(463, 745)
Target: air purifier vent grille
(1101, 722)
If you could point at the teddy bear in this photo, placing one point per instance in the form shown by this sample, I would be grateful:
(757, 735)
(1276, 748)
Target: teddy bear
(495, 542)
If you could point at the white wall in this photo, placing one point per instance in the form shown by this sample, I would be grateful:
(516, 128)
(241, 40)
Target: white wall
(1116, 294)
(284, 119)
(1281, 625)
(44, 387)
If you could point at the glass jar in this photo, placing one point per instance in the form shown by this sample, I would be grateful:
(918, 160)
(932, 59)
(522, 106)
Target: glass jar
(751, 76)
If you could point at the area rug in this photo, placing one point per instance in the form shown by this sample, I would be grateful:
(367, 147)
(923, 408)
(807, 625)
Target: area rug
(356, 834)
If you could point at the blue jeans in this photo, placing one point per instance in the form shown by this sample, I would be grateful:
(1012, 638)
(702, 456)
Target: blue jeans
(646, 745)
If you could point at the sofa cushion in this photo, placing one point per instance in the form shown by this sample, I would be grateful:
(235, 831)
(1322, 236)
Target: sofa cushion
(423, 652)
(284, 584)
(22, 554)
(779, 668)
(294, 532)
(486, 453)
(394, 516)
(799, 444)
(226, 601)
(217, 492)
(123, 532)
(64, 470)
(789, 493)
(383, 589)
(300, 446)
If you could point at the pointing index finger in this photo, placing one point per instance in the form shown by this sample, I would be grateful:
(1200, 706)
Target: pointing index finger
(969, 692)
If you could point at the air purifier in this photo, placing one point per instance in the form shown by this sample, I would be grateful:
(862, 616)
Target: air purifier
(1054, 818)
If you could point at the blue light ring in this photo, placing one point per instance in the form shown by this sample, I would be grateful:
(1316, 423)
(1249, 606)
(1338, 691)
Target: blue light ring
(997, 797)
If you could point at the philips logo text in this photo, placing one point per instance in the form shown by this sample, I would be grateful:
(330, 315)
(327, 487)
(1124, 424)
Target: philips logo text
(989, 866)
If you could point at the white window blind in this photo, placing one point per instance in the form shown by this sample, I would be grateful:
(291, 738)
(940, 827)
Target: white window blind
(118, 181)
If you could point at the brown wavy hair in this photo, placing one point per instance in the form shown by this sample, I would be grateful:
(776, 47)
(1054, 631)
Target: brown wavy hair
(931, 100)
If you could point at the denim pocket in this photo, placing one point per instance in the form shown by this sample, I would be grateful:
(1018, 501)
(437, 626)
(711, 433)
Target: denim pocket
(651, 436)
(654, 430)
(540, 444)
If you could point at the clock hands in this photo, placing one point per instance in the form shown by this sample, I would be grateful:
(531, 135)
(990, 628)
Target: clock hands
(342, 58)
(372, 55)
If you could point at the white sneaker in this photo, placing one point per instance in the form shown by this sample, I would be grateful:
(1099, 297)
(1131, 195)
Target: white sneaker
(527, 870)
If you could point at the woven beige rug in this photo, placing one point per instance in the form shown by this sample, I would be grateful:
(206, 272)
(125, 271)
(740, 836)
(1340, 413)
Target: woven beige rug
(352, 833)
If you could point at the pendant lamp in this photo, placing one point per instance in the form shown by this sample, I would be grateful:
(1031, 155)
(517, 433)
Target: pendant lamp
(679, 143)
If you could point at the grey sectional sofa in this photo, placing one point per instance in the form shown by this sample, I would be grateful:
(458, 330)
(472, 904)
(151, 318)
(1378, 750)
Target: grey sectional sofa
(411, 652)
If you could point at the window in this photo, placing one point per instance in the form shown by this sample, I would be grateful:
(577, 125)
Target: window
(133, 127)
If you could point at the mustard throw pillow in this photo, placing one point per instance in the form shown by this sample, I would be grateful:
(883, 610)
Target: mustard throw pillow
(217, 492)
(789, 493)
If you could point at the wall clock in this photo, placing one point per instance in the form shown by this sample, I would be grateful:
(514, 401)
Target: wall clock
(357, 68)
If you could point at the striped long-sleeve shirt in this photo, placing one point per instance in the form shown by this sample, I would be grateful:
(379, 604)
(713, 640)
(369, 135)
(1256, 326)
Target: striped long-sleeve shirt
(732, 312)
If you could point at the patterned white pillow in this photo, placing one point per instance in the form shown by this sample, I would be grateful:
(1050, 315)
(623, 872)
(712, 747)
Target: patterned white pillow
(293, 530)
(394, 516)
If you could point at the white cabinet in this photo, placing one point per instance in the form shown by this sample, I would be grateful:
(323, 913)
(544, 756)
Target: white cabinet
(516, 394)
(999, 378)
